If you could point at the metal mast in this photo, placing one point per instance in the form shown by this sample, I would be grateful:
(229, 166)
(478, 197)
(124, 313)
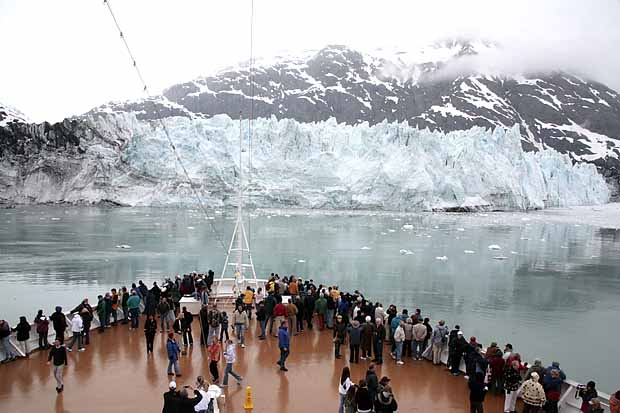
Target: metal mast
(239, 245)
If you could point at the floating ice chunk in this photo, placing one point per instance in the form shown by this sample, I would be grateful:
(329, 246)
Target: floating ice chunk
(384, 233)
(500, 258)
(469, 252)
(407, 226)
(124, 246)
(429, 236)
(543, 240)
(460, 229)
(514, 252)
(191, 228)
(210, 218)
(442, 258)
(525, 239)
(406, 252)
(301, 261)
(396, 219)
(268, 216)
(525, 219)
(436, 227)
(391, 230)
(55, 219)
(287, 215)
(594, 257)
(564, 247)
(494, 247)
(365, 248)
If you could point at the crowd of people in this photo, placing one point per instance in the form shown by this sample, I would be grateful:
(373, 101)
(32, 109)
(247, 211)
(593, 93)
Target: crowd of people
(367, 328)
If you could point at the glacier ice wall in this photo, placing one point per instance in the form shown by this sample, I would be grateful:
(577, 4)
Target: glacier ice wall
(312, 165)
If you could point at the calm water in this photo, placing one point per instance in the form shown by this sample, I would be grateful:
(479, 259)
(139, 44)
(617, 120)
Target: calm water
(555, 295)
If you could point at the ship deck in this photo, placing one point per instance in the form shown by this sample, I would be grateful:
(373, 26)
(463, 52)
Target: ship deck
(114, 373)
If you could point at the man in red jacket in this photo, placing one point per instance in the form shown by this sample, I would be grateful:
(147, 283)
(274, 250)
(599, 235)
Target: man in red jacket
(280, 313)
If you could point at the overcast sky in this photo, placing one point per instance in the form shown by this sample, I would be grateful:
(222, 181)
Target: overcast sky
(63, 57)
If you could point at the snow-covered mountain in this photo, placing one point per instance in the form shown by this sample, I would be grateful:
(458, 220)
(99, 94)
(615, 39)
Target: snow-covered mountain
(575, 116)
(9, 114)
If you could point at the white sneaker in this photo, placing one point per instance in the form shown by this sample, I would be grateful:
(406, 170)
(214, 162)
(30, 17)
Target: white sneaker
(81, 349)
(243, 346)
(400, 362)
(69, 350)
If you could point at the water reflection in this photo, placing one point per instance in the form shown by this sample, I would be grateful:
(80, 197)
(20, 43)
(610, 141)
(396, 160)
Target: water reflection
(546, 278)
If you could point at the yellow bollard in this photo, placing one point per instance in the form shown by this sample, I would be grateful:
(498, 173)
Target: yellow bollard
(248, 405)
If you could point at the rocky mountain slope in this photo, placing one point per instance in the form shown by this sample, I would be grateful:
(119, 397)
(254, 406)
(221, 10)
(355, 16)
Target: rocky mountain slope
(575, 116)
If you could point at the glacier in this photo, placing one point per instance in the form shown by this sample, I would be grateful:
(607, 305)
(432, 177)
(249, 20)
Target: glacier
(388, 166)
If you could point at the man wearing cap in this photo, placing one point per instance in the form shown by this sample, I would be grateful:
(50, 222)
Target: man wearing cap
(340, 334)
(171, 399)
(456, 353)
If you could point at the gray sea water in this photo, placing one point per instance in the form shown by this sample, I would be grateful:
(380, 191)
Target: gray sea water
(552, 290)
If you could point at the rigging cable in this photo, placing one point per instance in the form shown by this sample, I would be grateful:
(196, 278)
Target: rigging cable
(165, 129)
(250, 121)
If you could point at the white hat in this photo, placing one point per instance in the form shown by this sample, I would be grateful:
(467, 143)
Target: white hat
(460, 333)
(172, 385)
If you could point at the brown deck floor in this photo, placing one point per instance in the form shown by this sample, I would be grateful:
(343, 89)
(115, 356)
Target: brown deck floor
(114, 374)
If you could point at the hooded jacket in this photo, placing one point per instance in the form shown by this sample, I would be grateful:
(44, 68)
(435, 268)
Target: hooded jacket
(385, 404)
(532, 392)
(355, 334)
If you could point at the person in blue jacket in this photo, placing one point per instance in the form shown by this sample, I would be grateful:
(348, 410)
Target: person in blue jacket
(173, 355)
(284, 342)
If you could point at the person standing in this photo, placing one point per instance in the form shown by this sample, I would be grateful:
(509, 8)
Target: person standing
(5, 333)
(171, 399)
(284, 343)
(87, 318)
(100, 309)
(614, 402)
(587, 393)
(477, 392)
(321, 310)
(512, 381)
(23, 334)
(372, 381)
(230, 355)
(309, 304)
(124, 306)
(214, 358)
(186, 325)
(399, 339)
(419, 336)
(457, 348)
(173, 350)
(42, 327)
(385, 401)
(362, 398)
(214, 324)
(340, 335)
(439, 338)
(58, 355)
(133, 304)
(379, 337)
(343, 387)
(150, 329)
(248, 300)
(280, 313)
(59, 322)
(291, 310)
(114, 302)
(164, 310)
(270, 304)
(533, 394)
(203, 318)
(261, 317)
(355, 339)
(367, 335)
(241, 323)
(77, 326)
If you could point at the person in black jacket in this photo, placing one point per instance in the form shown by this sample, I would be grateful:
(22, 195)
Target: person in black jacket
(372, 381)
(378, 338)
(171, 399)
(23, 334)
(385, 401)
(150, 328)
(309, 303)
(340, 335)
(58, 354)
(188, 317)
(477, 392)
(86, 312)
(362, 398)
(457, 348)
(187, 404)
(203, 318)
(476, 362)
(59, 322)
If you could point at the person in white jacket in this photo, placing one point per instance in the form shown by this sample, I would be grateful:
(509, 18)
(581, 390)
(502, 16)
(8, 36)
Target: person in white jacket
(77, 326)
(230, 356)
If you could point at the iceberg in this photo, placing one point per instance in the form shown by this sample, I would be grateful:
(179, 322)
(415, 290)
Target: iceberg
(388, 166)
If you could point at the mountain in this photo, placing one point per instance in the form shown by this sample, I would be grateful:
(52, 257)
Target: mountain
(579, 118)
